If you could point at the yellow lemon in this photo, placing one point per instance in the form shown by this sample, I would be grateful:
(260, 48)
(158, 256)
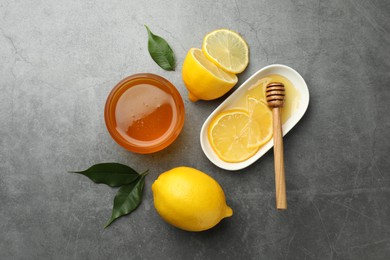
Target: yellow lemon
(260, 123)
(189, 199)
(257, 90)
(229, 136)
(227, 49)
(203, 79)
(236, 135)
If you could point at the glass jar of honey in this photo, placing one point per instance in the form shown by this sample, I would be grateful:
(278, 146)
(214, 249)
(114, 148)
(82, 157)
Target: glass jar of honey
(144, 113)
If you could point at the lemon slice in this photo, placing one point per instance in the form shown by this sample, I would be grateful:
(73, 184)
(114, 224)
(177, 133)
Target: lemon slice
(229, 136)
(257, 90)
(227, 49)
(260, 123)
(203, 79)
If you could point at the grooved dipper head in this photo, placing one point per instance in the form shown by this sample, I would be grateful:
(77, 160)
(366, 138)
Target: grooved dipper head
(275, 94)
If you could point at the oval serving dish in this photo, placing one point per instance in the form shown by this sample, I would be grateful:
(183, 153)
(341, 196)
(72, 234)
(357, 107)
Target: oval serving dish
(297, 81)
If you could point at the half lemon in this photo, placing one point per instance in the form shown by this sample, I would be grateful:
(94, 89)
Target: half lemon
(203, 79)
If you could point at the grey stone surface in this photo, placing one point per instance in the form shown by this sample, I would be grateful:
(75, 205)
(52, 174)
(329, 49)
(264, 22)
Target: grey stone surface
(60, 59)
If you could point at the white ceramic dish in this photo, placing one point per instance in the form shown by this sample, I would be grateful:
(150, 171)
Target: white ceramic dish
(285, 71)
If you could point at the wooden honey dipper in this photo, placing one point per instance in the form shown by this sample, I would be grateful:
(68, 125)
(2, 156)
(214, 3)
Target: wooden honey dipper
(275, 94)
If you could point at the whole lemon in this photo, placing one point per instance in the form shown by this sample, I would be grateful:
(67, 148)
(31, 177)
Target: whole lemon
(189, 199)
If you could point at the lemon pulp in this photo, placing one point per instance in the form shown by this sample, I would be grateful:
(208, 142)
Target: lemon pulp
(203, 79)
(227, 49)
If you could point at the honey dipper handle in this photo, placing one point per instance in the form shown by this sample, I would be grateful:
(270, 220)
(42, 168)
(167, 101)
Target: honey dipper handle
(280, 179)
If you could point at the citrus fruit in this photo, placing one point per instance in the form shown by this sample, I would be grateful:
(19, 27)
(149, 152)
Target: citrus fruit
(227, 49)
(189, 199)
(260, 123)
(257, 90)
(229, 135)
(203, 79)
(237, 134)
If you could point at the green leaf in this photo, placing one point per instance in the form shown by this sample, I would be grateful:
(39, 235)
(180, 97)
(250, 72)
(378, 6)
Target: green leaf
(127, 199)
(112, 174)
(160, 51)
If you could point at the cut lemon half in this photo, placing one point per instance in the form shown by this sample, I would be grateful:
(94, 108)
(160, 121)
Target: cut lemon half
(229, 136)
(260, 123)
(226, 49)
(203, 79)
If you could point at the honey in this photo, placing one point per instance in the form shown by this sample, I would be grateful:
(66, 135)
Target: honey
(256, 128)
(144, 113)
(257, 90)
(150, 115)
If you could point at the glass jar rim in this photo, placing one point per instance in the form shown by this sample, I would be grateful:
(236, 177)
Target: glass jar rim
(123, 86)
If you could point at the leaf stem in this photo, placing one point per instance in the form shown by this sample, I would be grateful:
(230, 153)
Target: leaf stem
(145, 173)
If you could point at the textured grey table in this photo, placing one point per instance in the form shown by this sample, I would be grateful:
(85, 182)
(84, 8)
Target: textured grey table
(60, 59)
